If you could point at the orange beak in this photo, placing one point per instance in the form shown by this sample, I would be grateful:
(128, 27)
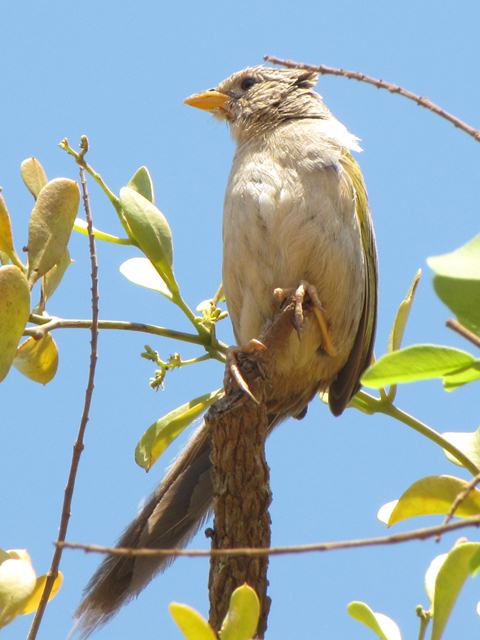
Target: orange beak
(207, 100)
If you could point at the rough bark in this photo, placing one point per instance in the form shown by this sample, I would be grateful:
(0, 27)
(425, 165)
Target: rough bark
(240, 477)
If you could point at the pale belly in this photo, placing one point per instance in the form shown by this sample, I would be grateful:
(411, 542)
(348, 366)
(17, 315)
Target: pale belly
(279, 230)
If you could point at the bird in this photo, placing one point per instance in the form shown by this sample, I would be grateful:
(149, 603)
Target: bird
(296, 226)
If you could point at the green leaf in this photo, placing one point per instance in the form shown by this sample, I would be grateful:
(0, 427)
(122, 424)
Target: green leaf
(151, 232)
(6, 236)
(14, 313)
(191, 623)
(383, 626)
(418, 362)
(432, 573)
(38, 359)
(140, 271)
(461, 263)
(450, 580)
(81, 226)
(475, 563)
(467, 443)
(33, 175)
(398, 329)
(463, 298)
(141, 181)
(50, 225)
(457, 282)
(162, 432)
(428, 496)
(453, 380)
(241, 620)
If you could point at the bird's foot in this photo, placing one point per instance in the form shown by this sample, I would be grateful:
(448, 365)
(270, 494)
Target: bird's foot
(306, 295)
(232, 369)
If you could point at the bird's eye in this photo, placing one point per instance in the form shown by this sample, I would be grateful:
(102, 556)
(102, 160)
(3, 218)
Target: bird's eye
(247, 83)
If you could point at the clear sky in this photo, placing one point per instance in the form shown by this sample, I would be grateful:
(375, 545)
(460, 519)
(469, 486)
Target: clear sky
(118, 72)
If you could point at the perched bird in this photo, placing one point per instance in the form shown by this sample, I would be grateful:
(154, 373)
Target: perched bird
(296, 223)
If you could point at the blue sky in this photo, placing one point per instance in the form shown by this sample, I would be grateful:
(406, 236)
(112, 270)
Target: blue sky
(119, 72)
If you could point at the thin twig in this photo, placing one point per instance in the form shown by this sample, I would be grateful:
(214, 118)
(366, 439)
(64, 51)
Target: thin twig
(417, 534)
(380, 84)
(455, 325)
(461, 497)
(78, 446)
(426, 431)
(50, 323)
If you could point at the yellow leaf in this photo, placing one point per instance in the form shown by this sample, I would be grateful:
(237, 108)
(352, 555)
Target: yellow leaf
(191, 623)
(14, 313)
(241, 620)
(50, 225)
(431, 495)
(52, 278)
(33, 601)
(38, 359)
(33, 175)
(6, 237)
(17, 582)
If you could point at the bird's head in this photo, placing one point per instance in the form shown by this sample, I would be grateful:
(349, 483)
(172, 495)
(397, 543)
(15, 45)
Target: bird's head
(258, 98)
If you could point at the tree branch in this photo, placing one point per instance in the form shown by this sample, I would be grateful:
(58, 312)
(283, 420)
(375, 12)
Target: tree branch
(380, 84)
(78, 446)
(242, 495)
(320, 547)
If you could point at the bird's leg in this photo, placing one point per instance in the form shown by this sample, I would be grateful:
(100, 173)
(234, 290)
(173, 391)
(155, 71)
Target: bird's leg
(232, 369)
(303, 294)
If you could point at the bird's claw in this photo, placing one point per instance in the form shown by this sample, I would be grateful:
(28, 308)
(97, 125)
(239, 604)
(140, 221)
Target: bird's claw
(232, 369)
(300, 295)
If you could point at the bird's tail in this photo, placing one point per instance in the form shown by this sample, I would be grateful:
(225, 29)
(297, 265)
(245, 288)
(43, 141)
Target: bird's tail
(170, 518)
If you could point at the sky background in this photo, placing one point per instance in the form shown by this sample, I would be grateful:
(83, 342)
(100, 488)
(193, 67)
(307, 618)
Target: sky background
(118, 72)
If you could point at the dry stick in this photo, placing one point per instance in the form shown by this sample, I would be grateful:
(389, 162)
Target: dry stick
(463, 331)
(380, 84)
(319, 547)
(78, 446)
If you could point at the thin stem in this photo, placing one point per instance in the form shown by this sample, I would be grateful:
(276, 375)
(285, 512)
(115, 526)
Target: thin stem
(463, 331)
(78, 446)
(50, 323)
(181, 304)
(184, 363)
(381, 84)
(428, 432)
(367, 403)
(320, 547)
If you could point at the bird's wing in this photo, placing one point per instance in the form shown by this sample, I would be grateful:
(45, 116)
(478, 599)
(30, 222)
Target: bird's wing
(347, 382)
